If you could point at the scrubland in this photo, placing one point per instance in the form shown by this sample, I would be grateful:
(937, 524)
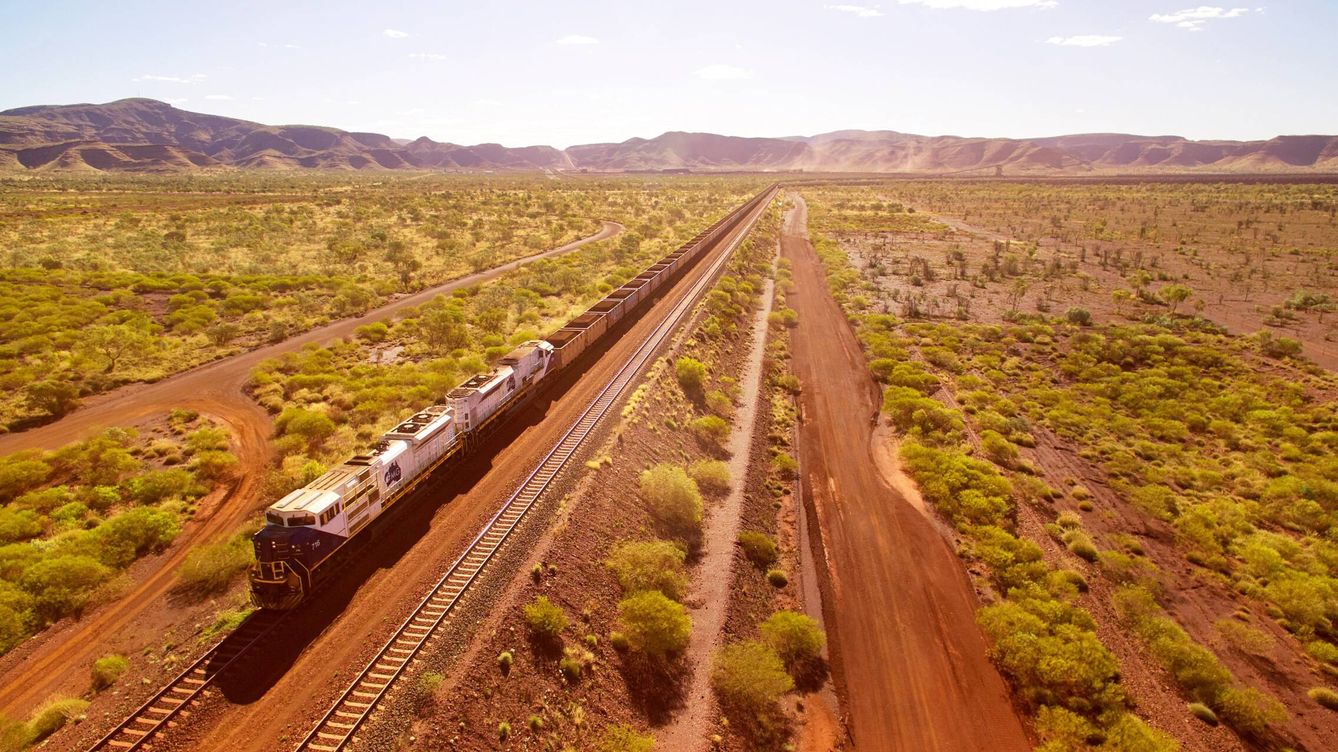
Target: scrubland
(109, 281)
(1140, 468)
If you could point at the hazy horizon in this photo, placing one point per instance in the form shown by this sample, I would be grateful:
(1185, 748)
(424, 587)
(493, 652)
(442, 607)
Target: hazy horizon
(519, 73)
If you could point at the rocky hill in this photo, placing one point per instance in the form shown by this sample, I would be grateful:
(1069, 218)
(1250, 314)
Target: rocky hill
(145, 135)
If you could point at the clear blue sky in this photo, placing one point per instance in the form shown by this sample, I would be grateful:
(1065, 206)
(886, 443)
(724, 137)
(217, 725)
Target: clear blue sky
(576, 71)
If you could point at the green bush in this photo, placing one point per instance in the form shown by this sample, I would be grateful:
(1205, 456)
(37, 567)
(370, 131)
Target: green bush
(1203, 713)
(1248, 710)
(505, 660)
(795, 637)
(654, 625)
(211, 568)
(691, 374)
(619, 737)
(62, 585)
(649, 565)
(758, 547)
(107, 669)
(312, 426)
(777, 578)
(968, 490)
(545, 618)
(710, 475)
(719, 403)
(749, 676)
(1324, 696)
(785, 466)
(712, 428)
(672, 498)
(53, 716)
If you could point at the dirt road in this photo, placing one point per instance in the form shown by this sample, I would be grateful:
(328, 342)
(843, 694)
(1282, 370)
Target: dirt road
(906, 648)
(282, 688)
(59, 660)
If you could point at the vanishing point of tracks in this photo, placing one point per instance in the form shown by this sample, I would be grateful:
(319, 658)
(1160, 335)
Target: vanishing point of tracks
(337, 727)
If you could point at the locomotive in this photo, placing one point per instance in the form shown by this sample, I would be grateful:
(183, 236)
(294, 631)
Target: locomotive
(307, 531)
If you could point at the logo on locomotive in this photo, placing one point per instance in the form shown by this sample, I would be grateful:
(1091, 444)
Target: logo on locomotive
(393, 474)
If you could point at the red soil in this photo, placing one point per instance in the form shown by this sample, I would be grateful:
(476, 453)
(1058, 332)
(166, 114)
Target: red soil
(907, 653)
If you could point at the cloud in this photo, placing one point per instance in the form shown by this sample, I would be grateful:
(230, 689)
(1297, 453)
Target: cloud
(577, 39)
(1194, 18)
(863, 11)
(219, 97)
(721, 72)
(427, 56)
(982, 4)
(395, 33)
(284, 46)
(1084, 40)
(168, 79)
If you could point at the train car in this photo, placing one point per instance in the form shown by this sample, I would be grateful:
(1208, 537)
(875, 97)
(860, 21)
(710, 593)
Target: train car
(307, 529)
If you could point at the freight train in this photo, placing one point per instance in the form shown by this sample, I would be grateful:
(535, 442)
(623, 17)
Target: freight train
(307, 532)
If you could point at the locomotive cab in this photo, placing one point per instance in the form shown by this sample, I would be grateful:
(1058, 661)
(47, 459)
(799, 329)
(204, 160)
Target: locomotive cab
(288, 550)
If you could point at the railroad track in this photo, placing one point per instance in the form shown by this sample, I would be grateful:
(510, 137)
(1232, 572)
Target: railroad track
(336, 729)
(173, 700)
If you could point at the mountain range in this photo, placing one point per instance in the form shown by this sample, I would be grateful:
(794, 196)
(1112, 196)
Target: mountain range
(145, 135)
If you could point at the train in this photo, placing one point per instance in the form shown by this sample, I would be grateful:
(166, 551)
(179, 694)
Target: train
(308, 532)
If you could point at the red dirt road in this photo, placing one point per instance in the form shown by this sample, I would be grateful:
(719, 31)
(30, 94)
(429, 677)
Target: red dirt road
(906, 650)
(58, 661)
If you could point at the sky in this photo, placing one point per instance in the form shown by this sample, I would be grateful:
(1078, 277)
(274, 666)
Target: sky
(563, 72)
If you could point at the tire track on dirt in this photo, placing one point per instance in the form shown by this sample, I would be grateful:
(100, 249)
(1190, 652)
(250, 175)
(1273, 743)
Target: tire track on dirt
(909, 657)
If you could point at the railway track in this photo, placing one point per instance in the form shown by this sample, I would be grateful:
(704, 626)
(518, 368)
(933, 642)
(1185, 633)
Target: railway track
(336, 729)
(173, 700)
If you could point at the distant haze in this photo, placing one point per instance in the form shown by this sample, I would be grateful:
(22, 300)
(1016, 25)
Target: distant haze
(144, 135)
(521, 72)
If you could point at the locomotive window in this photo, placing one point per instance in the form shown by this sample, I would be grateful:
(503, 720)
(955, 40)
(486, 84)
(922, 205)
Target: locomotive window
(301, 519)
(273, 519)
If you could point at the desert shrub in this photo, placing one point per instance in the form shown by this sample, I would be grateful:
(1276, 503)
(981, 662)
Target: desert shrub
(719, 403)
(213, 465)
(505, 660)
(545, 618)
(970, 491)
(654, 625)
(209, 569)
(19, 524)
(710, 475)
(1081, 546)
(712, 428)
(160, 485)
(618, 737)
(1248, 710)
(20, 473)
(1244, 637)
(758, 547)
(1079, 316)
(749, 676)
(923, 417)
(795, 637)
(132, 534)
(53, 716)
(503, 731)
(1324, 696)
(672, 498)
(1203, 713)
(62, 585)
(998, 448)
(778, 578)
(1051, 653)
(1131, 734)
(785, 466)
(312, 426)
(649, 565)
(428, 684)
(691, 374)
(107, 669)
(374, 332)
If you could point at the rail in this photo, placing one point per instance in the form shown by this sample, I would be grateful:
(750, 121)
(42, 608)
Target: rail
(337, 727)
(172, 700)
